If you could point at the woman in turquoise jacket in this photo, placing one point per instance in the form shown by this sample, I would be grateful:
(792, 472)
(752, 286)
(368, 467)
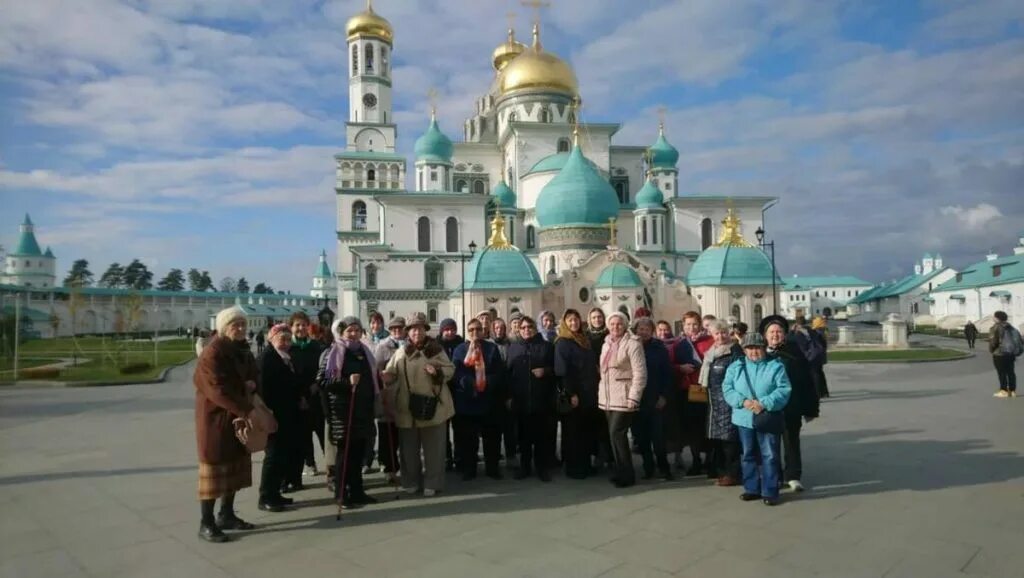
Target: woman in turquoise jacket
(754, 385)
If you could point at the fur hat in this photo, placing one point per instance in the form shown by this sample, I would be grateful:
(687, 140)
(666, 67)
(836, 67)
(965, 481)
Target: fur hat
(448, 323)
(226, 316)
(396, 322)
(417, 319)
(773, 320)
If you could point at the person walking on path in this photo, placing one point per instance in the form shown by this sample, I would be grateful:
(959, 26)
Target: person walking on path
(623, 378)
(260, 341)
(532, 382)
(479, 402)
(971, 334)
(280, 389)
(1005, 345)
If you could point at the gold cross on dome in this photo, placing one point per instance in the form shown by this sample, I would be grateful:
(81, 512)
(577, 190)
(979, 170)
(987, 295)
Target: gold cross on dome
(612, 228)
(661, 118)
(537, 5)
(432, 95)
(511, 17)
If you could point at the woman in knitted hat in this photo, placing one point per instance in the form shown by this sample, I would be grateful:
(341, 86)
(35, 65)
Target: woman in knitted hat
(225, 379)
(279, 387)
(348, 377)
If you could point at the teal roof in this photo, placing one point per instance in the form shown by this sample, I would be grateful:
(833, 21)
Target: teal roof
(267, 298)
(49, 253)
(27, 245)
(830, 281)
(927, 255)
(618, 276)
(322, 269)
(434, 146)
(649, 197)
(731, 265)
(497, 268)
(663, 155)
(554, 162)
(504, 196)
(578, 195)
(982, 274)
(896, 288)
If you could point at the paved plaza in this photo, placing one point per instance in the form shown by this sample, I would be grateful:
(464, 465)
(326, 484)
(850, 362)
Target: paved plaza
(914, 470)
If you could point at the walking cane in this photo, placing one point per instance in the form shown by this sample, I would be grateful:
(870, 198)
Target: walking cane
(391, 447)
(348, 441)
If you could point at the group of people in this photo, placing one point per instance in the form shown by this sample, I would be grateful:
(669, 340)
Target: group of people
(422, 405)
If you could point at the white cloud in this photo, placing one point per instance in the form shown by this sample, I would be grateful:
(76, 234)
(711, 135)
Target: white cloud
(975, 218)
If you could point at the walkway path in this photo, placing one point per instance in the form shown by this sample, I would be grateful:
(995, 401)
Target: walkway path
(916, 471)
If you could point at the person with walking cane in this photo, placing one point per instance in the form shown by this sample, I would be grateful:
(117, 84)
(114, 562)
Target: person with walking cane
(348, 377)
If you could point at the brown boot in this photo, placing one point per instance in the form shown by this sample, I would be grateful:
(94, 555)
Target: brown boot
(726, 481)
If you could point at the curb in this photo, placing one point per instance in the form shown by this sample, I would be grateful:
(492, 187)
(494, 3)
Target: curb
(965, 355)
(30, 384)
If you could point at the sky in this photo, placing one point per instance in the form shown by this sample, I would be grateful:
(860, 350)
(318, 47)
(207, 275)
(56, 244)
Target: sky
(200, 133)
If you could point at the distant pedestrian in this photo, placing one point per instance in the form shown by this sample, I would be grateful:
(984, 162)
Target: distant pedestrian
(1004, 342)
(260, 341)
(971, 333)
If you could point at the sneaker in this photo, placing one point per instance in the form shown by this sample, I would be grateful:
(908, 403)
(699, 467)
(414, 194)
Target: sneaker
(1013, 394)
(795, 485)
(1001, 393)
(428, 493)
(310, 471)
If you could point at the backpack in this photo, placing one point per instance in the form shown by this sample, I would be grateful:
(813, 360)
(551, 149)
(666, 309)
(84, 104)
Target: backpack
(1011, 342)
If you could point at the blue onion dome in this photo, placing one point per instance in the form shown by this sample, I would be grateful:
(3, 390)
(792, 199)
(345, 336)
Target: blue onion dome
(577, 195)
(649, 197)
(662, 154)
(731, 261)
(618, 276)
(434, 146)
(503, 196)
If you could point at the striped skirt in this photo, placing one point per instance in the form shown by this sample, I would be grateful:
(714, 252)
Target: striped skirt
(215, 480)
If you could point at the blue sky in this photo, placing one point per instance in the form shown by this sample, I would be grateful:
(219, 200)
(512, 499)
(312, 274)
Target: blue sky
(199, 133)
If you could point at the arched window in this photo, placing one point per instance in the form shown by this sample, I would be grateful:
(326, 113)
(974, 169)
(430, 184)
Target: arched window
(371, 175)
(545, 115)
(512, 116)
(705, 234)
(371, 276)
(433, 273)
(460, 186)
(451, 235)
(551, 264)
(432, 315)
(423, 234)
(621, 191)
(358, 216)
(510, 180)
(643, 231)
(531, 237)
(478, 187)
(737, 312)
(368, 58)
(563, 145)
(625, 311)
(355, 60)
(384, 60)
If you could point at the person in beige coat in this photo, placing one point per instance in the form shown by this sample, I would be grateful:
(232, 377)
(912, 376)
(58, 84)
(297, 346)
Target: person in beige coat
(421, 368)
(623, 378)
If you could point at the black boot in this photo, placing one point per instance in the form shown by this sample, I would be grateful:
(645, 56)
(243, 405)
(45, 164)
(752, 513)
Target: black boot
(208, 529)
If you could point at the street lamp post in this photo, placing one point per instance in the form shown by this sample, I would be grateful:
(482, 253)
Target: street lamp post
(462, 261)
(775, 275)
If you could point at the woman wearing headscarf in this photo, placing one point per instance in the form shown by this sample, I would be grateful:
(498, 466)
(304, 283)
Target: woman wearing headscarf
(596, 331)
(649, 428)
(348, 378)
(576, 366)
(548, 328)
(479, 402)
(623, 378)
(532, 391)
(421, 368)
(378, 332)
(280, 389)
(225, 380)
(724, 451)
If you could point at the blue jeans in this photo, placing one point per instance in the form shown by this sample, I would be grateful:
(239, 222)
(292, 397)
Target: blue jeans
(763, 481)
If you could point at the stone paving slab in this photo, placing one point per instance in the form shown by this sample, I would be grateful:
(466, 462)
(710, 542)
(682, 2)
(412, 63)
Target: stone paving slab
(913, 470)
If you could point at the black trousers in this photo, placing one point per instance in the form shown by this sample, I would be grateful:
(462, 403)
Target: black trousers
(468, 431)
(278, 460)
(793, 466)
(695, 426)
(510, 438)
(312, 424)
(724, 458)
(819, 380)
(387, 446)
(622, 454)
(1006, 372)
(536, 437)
(649, 434)
(970, 342)
(353, 469)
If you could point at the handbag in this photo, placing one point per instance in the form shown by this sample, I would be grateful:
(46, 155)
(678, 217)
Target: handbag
(771, 422)
(697, 394)
(253, 431)
(563, 403)
(422, 407)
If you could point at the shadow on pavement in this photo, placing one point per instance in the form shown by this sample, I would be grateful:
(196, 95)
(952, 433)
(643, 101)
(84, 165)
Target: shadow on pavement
(87, 474)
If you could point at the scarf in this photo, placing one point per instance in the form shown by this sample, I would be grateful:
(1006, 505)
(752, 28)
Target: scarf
(715, 352)
(612, 352)
(286, 357)
(336, 358)
(475, 358)
(302, 344)
(380, 336)
(579, 337)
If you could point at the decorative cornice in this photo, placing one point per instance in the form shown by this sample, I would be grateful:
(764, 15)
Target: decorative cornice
(404, 294)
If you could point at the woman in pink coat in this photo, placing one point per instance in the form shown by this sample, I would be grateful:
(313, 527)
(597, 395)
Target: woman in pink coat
(623, 378)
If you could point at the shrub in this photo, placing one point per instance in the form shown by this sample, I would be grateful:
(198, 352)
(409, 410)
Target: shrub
(133, 368)
(39, 373)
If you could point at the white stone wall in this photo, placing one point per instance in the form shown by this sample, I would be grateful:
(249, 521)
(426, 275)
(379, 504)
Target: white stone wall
(978, 304)
(689, 215)
(719, 301)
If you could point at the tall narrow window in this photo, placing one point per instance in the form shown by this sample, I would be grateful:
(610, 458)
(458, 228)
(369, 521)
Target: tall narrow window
(451, 235)
(384, 60)
(423, 234)
(545, 115)
(551, 264)
(355, 60)
(563, 145)
(531, 237)
(371, 175)
(643, 231)
(432, 314)
(371, 277)
(736, 312)
(358, 216)
(478, 187)
(705, 234)
(433, 275)
(368, 59)
(510, 180)
(654, 230)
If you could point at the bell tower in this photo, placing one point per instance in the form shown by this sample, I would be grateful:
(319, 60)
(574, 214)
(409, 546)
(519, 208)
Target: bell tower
(370, 125)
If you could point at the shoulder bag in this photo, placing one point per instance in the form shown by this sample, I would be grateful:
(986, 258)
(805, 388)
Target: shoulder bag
(422, 407)
(767, 421)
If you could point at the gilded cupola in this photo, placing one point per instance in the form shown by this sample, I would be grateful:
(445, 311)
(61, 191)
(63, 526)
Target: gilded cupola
(507, 51)
(536, 69)
(369, 23)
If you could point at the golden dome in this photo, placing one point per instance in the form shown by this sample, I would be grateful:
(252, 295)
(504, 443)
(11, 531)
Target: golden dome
(506, 51)
(368, 23)
(539, 70)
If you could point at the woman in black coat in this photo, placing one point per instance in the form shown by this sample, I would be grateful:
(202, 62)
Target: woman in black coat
(531, 366)
(279, 387)
(348, 378)
(576, 367)
(479, 396)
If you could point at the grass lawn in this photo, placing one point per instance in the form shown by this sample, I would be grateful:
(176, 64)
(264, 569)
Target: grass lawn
(898, 355)
(102, 369)
(7, 363)
(66, 347)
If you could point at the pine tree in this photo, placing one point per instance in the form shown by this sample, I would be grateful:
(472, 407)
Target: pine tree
(242, 286)
(195, 279)
(79, 275)
(173, 281)
(138, 276)
(207, 282)
(113, 277)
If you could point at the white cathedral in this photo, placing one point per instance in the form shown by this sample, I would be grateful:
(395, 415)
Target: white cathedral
(535, 209)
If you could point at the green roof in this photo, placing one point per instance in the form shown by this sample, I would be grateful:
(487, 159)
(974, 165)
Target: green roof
(268, 297)
(618, 276)
(830, 281)
(497, 268)
(322, 269)
(554, 162)
(904, 285)
(982, 274)
(578, 195)
(663, 155)
(49, 253)
(731, 265)
(433, 145)
(27, 245)
(649, 197)
(504, 196)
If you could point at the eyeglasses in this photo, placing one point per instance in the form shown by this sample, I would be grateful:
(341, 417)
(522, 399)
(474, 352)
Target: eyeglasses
(474, 329)
(524, 326)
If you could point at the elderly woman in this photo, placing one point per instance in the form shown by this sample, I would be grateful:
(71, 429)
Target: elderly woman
(688, 355)
(576, 365)
(387, 433)
(724, 450)
(418, 372)
(649, 427)
(280, 389)
(479, 402)
(348, 378)
(756, 388)
(225, 380)
(531, 368)
(623, 378)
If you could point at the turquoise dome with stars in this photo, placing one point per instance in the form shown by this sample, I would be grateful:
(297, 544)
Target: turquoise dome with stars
(504, 196)
(577, 195)
(663, 155)
(433, 145)
(649, 197)
(618, 276)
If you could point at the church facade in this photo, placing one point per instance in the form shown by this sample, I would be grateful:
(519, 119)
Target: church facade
(573, 202)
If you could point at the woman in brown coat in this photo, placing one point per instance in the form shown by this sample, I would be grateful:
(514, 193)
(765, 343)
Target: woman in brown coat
(225, 379)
